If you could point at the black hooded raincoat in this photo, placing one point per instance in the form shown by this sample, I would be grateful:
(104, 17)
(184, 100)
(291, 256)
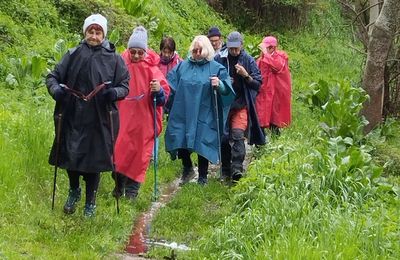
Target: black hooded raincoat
(85, 139)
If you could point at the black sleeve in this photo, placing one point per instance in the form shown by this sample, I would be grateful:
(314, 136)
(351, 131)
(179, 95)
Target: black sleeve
(121, 78)
(59, 74)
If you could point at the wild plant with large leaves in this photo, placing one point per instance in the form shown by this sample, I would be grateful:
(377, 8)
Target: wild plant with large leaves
(345, 170)
(340, 105)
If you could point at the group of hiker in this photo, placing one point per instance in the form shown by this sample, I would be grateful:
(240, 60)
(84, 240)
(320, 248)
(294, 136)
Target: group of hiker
(109, 107)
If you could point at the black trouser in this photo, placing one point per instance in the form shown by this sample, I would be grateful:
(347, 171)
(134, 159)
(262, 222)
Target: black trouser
(125, 184)
(184, 155)
(92, 180)
(233, 152)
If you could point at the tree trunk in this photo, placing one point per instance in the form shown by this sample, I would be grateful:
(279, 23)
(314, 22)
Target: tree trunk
(373, 12)
(379, 45)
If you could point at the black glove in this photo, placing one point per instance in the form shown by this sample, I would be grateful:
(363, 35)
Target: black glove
(110, 95)
(58, 93)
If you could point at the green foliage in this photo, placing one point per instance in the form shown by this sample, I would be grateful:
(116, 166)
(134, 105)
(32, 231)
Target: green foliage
(133, 7)
(182, 20)
(266, 15)
(8, 31)
(308, 197)
(31, 13)
(386, 140)
(348, 170)
(73, 13)
(288, 216)
(340, 106)
(26, 71)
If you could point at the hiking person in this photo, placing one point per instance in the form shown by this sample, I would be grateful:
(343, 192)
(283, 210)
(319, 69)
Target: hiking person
(85, 147)
(192, 124)
(169, 58)
(215, 37)
(242, 119)
(135, 141)
(274, 100)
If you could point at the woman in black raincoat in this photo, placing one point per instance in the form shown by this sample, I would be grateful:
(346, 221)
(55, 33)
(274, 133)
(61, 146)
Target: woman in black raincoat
(85, 85)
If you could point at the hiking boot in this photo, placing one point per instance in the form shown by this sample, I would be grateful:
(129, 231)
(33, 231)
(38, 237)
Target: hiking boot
(236, 175)
(74, 195)
(202, 181)
(225, 174)
(89, 210)
(187, 175)
(131, 189)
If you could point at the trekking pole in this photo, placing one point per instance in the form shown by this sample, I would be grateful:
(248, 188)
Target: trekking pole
(218, 130)
(113, 159)
(58, 132)
(155, 147)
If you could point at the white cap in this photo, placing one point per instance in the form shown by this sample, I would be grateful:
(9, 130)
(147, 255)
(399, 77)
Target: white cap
(96, 19)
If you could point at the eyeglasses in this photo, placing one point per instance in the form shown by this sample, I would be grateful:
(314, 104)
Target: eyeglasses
(139, 52)
(195, 51)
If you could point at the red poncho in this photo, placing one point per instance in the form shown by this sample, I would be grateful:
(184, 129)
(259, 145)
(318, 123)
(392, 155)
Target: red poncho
(134, 145)
(273, 102)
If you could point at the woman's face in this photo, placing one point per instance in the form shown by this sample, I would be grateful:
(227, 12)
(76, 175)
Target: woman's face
(167, 53)
(137, 54)
(197, 52)
(271, 49)
(94, 37)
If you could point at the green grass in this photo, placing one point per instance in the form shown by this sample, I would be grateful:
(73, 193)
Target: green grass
(184, 219)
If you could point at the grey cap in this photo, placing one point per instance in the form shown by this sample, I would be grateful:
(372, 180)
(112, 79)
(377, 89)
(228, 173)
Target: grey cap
(234, 40)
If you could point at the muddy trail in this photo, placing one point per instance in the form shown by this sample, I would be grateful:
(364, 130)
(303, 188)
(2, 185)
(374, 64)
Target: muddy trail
(139, 241)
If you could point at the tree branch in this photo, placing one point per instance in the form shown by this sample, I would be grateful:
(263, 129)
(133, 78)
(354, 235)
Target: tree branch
(366, 9)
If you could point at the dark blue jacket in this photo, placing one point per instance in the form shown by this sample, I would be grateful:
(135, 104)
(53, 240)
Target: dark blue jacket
(255, 134)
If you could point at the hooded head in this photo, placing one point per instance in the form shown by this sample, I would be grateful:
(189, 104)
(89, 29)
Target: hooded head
(138, 38)
(270, 41)
(96, 19)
